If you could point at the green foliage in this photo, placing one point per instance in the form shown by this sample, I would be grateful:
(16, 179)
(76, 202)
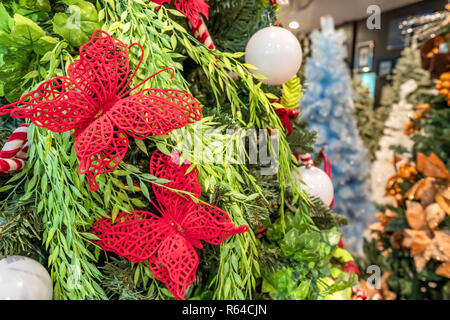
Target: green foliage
(404, 280)
(20, 230)
(324, 218)
(292, 93)
(408, 67)
(369, 121)
(77, 27)
(434, 135)
(122, 281)
(67, 208)
(22, 43)
(304, 259)
(232, 22)
(301, 140)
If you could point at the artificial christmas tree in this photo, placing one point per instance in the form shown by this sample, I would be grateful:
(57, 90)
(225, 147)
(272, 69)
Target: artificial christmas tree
(327, 107)
(369, 120)
(409, 84)
(411, 239)
(48, 209)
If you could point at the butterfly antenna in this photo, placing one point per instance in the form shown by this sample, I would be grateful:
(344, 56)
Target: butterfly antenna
(137, 67)
(148, 78)
(157, 208)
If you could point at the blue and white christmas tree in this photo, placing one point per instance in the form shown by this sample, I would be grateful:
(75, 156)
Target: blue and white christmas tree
(328, 107)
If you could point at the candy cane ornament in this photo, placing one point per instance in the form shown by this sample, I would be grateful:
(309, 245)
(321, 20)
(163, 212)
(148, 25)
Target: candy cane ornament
(15, 141)
(280, 2)
(201, 33)
(15, 151)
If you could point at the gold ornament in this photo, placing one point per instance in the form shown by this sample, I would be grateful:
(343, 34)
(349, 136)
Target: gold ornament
(427, 204)
(443, 86)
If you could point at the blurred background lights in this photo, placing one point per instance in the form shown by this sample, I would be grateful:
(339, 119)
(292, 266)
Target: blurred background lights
(293, 25)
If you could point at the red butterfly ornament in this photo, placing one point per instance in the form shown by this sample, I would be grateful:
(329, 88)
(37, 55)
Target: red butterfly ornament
(190, 8)
(168, 240)
(93, 99)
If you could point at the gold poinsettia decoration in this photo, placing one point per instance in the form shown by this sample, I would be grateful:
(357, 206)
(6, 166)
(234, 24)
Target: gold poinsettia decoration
(435, 186)
(428, 204)
(411, 127)
(384, 220)
(405, 171)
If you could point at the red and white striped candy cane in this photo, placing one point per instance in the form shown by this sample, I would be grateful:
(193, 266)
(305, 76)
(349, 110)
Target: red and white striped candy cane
(201, 33)
(280, 2)
(15, 142)
(306, 159)
(15, 151)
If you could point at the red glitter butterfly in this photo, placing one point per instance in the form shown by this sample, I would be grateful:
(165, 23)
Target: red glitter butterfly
(93, 99)
(167, 241)
(190, 8)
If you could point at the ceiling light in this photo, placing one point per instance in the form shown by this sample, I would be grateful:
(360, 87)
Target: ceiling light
(293, 25)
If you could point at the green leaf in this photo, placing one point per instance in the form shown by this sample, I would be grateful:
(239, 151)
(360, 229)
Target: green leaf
(89, 236)
(120, 173)
(25, 32)
(141, 145)
(5, 19)
(271, 96)
(302, 291)
(84, 9)
(6, 188)
(144, 190)
(250, 66)
(45, 44)
(175, 12)
(31, 74)
(279, 285)
(77, 28)
(162, 147)
(35, 5)
(227, 286)
(342, 255)
(138, 203)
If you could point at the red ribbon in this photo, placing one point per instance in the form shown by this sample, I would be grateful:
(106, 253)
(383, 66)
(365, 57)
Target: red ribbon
(285, 116)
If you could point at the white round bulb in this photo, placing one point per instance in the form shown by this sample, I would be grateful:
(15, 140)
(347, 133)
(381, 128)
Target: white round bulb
(22, 278)
(318, 183)
(276, 53)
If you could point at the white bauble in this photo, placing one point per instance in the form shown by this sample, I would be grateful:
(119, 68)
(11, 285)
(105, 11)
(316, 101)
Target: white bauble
(276, 53)
(22, 278)
(318, 183)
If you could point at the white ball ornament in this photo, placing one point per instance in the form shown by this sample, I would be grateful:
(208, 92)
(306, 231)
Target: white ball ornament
(22, 278)
(276, 53)
(318, 183)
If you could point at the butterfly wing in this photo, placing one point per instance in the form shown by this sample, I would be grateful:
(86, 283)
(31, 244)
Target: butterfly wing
(103, 68)
(166, 167)
(93, 82)
(209, 223)
(155, 111)
(136, 235)
(161, 1)
(175, 264)
(192, 9)
(100, 148)
(57, 104)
